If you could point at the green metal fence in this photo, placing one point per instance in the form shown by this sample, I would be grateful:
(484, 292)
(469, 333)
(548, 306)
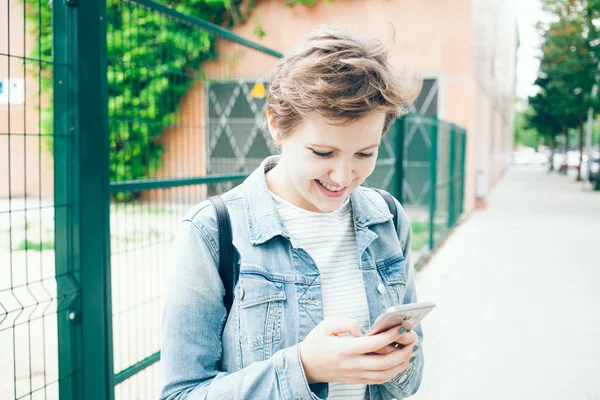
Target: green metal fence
(31, 301)
(133, 113)
(432, 175)
(417, 154)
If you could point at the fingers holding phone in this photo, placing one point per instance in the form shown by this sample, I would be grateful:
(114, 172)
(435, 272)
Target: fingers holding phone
(390, 361)
(328, 357)
(405, 339)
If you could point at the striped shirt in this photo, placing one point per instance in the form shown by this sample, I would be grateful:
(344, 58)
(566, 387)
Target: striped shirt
(330, 239)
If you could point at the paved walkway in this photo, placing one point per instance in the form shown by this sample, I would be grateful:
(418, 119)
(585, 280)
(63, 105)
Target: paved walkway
(518, 294)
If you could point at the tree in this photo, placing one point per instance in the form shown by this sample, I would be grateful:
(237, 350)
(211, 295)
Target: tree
(568, 68)
(554, 111)
(544, 118)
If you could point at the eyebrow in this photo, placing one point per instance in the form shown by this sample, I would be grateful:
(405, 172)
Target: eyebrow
(336, 149)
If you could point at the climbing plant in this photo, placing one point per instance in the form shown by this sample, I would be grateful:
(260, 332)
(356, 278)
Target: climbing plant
(152, 62)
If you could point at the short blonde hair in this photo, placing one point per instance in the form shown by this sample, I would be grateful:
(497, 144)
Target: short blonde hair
(339, 77)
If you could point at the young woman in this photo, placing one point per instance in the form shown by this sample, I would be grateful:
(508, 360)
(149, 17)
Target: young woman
(319, 256)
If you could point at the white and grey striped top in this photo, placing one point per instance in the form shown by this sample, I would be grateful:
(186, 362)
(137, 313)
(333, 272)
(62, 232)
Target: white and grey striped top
(330, 239)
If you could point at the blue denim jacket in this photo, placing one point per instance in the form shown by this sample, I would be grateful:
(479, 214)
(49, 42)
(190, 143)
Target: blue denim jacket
(253, 352)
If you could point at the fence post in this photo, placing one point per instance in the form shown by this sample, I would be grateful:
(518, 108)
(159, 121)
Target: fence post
(92, 103)
(400, 127)
(82, 184)
(451, 169)
(433, 179)
(67, 269)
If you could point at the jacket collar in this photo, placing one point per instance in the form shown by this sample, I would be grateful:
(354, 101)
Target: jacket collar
(264, 222)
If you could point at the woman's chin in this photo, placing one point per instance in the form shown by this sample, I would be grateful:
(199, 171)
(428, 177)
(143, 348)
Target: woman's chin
(327, 204)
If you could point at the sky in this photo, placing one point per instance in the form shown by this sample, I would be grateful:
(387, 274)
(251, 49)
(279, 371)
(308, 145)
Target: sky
(528, 13)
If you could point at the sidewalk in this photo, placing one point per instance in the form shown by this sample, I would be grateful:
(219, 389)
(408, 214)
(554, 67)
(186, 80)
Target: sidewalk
(517, 289)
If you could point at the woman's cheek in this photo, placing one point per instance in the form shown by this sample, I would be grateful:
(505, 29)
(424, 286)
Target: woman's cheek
(366, 170)
(314, 170)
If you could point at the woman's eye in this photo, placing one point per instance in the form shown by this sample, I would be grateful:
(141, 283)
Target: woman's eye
(330, 153)
(323, 155)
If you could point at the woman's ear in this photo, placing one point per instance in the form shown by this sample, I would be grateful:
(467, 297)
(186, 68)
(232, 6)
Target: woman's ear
(273, 128)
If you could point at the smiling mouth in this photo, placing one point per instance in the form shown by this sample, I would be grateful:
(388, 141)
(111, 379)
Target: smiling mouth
(329, 187)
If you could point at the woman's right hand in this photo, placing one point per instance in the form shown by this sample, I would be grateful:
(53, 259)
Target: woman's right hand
(329, 358)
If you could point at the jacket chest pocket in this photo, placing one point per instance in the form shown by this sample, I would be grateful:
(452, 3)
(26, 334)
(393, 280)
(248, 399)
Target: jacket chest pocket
(393, 274)
(260, 310)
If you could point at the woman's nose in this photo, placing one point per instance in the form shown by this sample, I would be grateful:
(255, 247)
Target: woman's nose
(342, 174)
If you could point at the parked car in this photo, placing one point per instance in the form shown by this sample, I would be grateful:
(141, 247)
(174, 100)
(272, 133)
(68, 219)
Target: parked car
(594, 170)
(571, 161)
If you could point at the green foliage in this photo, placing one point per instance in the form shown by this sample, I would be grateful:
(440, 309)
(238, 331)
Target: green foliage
(420, 236)
(152, 62)
(574, 133)
(524, 133)
(35, 246)
(151, 66)
(292, 3)
(259, 31)
(39, 26)
(420, 233)
(596, 131)
(568, 68)
(544, 117)
(310, 3)
(419, 241)
(419, 227)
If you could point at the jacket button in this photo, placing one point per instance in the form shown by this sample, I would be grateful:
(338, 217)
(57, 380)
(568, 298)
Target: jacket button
(241, 292)
(381, 288)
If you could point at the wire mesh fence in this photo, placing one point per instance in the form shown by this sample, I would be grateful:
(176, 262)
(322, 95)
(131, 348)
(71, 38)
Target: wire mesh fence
(29, 299)
(432, 170)
(182, 105)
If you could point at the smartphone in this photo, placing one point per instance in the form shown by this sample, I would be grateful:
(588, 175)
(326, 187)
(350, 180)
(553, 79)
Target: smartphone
(407, 315)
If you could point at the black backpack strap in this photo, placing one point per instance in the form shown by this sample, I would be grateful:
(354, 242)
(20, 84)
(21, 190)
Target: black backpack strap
(227, 270)
(391, 205)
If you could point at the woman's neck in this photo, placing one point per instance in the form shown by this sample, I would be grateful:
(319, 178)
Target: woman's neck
(276, 181)
(282, 186)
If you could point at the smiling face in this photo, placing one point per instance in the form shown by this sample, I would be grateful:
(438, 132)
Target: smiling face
(321, 164)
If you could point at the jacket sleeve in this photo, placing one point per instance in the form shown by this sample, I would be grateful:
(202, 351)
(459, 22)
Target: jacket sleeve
(193, 320)
(406, 383)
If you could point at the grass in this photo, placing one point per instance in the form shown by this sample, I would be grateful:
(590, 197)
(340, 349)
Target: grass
(419, 227)
(419, 242)
(421, 233)
(420, 236)
(35, 246)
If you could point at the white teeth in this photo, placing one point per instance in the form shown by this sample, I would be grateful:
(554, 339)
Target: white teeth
(331, 188)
